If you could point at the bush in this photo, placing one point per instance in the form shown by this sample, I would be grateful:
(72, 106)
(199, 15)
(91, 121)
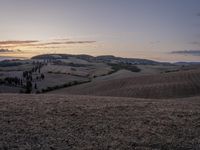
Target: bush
(126, 66)
(2, 81)
(21, 91)
(38, 92)
(48, 89)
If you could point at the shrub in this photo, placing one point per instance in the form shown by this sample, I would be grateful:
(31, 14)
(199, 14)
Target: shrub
(126, 66)
(48, 89)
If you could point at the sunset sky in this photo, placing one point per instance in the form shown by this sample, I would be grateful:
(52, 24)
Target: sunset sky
(164, 30)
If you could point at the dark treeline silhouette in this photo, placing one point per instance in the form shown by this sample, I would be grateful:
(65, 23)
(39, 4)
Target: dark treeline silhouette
(13, 81)
(28, 77)
(28, 87)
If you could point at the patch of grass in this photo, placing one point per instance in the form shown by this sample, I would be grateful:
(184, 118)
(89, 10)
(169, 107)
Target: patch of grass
(9, 64)
(168, 71)
(58, 72)
(119, 66)
(48, 89)
(71, 64)
(78, 65)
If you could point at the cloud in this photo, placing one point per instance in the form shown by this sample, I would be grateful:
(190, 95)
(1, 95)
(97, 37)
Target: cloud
(195, 43)
(61, 39)
(17, 42)
(80, 42)
(155, 42)
(187, 52)
(47, 47)
(10, 51)
(45, 44)
(198, 14)
(6, 51)
(66, 42)
(51, 44)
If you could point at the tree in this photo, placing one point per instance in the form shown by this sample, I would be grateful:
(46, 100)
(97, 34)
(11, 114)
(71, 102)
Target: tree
(25, 74)
(28, 86)
(35, 85)
(21, 82)
(42, 76)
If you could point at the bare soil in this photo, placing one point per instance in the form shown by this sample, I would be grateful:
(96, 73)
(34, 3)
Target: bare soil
(61, 122)
(167, 85)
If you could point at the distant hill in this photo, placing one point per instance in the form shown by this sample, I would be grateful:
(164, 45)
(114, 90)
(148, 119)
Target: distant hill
(187, 63)
(103, 58)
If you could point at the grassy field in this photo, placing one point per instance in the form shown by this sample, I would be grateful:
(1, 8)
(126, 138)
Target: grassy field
(52, 122)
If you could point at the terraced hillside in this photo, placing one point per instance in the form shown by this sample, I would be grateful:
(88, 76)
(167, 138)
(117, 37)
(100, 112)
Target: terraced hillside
(51, 122)
(166, 85)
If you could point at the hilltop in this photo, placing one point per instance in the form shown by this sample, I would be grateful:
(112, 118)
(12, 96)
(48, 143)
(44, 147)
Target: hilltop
(103, 58)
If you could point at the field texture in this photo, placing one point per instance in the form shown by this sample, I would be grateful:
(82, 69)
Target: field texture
(166, 85)
(52, 122)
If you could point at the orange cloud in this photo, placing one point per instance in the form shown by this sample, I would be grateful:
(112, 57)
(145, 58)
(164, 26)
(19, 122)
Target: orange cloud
(9, 51)
(60, 43)
(5, 51)
(17, 42)
(28, 44)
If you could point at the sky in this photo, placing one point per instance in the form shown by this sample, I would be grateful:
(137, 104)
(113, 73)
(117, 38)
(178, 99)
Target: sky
(163, 30)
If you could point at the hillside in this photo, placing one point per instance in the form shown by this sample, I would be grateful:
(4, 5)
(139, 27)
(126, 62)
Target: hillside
(51, 122)
(166, 85)
(104, 59)
(108, 76)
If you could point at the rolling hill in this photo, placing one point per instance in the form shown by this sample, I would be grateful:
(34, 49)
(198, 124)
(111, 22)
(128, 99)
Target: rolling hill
(103, 58)
(166, 85)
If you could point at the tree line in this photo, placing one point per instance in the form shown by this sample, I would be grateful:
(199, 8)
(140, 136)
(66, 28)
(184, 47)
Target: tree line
(27, 81)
